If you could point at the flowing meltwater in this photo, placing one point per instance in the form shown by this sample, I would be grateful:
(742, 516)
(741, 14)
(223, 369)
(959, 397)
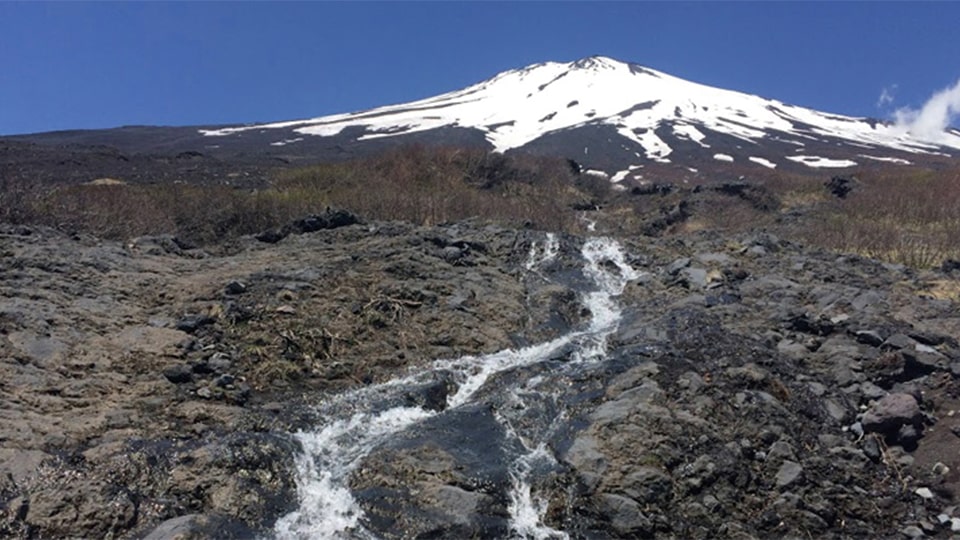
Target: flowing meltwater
(550, 249)
(355, 423)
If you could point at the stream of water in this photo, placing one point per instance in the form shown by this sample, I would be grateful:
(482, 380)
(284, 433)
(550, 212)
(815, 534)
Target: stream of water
(355, 423)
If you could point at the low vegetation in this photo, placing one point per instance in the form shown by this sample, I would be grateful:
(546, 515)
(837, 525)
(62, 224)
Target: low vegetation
(909, 217)
(416, 184)
(432, 186)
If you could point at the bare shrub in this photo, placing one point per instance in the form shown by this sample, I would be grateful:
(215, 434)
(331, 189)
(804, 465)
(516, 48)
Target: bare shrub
(110, 211)
(908, 218)
(16, 201)
(729, 214)
(418, 184)
(436, 185)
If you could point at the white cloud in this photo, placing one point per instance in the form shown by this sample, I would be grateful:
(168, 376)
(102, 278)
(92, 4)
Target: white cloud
(935, 115)
(886, 96)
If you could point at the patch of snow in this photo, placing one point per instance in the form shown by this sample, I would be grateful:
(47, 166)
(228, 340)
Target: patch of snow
(655, 147)
(822, 162)
(596, 173)
(620, 175)
(766, 163)
(690, 132)
(723, 157)
(898, 161)
(286, 141)
(789, 141)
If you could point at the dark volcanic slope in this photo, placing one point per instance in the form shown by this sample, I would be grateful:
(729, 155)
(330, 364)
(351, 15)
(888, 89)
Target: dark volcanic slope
(60, 162)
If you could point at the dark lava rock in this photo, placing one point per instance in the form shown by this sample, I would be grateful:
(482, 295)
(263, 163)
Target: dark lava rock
(240, 481)
(869, 337)
(192, 323)
(179, 374)
(756, 195)
(725, 414)
(669, 216)
(235, 287)
(448, 479)
(432, 396)
(892, 412)
(808, 324)
(950, 265)
(330, 219)
(676, 266)
(840, 186)
(201, 527)
(899, 341)
(788, 473)
(271, 236)
(872, 449)
(653, 188)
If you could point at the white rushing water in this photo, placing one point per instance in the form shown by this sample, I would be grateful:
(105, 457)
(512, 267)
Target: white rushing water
(353, 425)
(542, 254)
(526, 509)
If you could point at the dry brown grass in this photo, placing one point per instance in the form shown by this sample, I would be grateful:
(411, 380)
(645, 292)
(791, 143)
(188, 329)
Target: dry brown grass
(728, 214)
(436, 185)
(942, 289)
(197, 214)
(417, 184)
(909, 218)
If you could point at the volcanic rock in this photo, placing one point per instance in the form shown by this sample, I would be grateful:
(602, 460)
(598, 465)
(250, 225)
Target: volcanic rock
(892, 412)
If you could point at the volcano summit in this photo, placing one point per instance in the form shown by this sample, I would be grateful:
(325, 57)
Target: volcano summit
(621, 118)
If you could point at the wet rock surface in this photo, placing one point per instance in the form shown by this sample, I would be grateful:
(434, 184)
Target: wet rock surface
(165, 383)
(753, 388)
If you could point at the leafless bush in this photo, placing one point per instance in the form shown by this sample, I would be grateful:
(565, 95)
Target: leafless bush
(14, 201)
(418, 184)
(436, 185)
(908, 218)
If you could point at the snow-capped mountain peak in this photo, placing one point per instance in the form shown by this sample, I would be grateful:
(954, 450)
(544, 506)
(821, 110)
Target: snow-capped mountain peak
(649, 116)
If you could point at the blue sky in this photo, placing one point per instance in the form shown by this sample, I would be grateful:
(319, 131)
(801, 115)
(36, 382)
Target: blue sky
(93, 65)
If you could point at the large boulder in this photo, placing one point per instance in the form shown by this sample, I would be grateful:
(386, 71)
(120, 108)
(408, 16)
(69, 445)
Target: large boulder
(447, 478)
(892, 412)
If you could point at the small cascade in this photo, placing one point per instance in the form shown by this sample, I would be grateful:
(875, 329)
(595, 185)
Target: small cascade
(590, 224)
(540, 255)
(601, 254)
(356, 423)
(526, 509)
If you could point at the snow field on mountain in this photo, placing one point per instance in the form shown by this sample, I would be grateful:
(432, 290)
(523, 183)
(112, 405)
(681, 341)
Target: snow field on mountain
(517, 107)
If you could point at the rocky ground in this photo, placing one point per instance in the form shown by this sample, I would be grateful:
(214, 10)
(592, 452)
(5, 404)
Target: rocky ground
(754, 389)
(780, 392)
(162, 381)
